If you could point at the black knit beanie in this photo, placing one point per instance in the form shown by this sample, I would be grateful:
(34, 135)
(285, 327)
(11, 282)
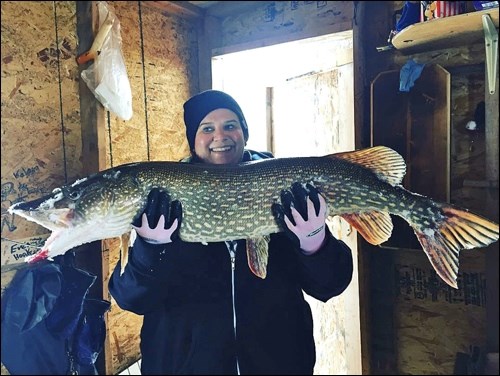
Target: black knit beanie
(200, 105)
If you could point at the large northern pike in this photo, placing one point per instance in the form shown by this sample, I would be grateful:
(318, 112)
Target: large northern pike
(234, 202)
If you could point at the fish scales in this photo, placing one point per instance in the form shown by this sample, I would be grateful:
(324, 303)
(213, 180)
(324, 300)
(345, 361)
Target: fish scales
(237, 200)
(234, 202)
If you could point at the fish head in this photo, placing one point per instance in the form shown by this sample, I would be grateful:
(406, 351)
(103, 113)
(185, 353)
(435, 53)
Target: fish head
(98, 207)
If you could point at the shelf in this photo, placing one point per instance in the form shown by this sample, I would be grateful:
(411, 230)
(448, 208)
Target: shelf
(445, 32)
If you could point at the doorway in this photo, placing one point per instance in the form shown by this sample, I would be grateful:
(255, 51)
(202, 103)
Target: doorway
(298, 100)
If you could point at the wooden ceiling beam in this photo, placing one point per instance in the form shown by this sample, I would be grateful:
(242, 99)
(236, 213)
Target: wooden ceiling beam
(178, 8)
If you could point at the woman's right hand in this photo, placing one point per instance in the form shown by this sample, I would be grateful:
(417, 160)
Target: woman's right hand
(161, 219)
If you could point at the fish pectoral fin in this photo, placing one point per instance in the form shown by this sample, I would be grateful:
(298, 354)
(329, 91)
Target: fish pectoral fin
(375, 227)
(126, 241)
(257, 254)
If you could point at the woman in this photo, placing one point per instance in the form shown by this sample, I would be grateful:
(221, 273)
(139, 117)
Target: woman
(205, 312)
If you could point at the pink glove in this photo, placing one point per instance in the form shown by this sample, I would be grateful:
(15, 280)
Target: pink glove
(157, 235)
(302, 216)
(164, 230)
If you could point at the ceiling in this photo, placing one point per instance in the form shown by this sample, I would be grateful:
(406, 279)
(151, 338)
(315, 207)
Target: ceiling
(199, 9)
(203, 4)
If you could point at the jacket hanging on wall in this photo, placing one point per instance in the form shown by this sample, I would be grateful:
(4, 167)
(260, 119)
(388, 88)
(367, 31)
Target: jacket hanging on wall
(49, 327)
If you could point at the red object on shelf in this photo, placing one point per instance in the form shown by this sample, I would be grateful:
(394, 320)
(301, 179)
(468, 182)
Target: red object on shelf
(440, 9)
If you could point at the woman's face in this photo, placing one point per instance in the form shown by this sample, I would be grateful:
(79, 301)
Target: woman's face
(219, 138)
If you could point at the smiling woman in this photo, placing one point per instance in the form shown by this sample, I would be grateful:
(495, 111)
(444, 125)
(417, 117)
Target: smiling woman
(218, 140)
(216, 128)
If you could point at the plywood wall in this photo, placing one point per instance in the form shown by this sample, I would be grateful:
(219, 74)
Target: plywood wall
(40, 115)
(419, 325)
(40, 108)
(433, 321)
(286, 20)
(160, 52)
(41, 130)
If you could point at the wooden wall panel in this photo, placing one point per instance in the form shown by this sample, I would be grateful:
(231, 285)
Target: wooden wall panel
(426, 334)
(160, 54)
(434, 322)
(40, 112)
(69, 96)
(468, 154)
(41, 138)
(40, 115)
(170, 54)
(282, 21)
(127, 140)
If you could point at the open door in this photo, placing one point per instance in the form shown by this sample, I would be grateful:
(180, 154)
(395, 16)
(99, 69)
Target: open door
(313, 115)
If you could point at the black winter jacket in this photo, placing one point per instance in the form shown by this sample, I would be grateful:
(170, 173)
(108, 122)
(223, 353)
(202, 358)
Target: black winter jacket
(202, 316)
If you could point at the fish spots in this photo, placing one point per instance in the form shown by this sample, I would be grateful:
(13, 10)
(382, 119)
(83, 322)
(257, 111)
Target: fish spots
(247, 217)
(429, 232)
(79, 181)
(112, 174)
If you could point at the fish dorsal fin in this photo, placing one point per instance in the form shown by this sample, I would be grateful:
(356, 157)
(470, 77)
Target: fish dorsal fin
(257, 254)
(375, 227)
(386, 163)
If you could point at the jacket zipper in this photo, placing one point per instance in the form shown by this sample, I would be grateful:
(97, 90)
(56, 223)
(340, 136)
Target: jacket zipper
(231, 246)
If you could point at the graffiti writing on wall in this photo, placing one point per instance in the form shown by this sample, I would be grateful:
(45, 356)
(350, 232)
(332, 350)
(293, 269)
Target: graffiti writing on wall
(18, 190)
(416, 283)
(18, 251)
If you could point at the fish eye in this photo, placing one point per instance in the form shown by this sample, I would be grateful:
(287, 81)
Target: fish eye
(74, 195)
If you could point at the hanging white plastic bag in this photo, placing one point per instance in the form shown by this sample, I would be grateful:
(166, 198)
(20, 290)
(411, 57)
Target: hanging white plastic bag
(107, 76)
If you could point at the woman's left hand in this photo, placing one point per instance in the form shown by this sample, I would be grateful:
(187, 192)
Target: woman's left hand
(302, 214)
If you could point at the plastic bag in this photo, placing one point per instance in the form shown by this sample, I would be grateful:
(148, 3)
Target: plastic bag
(107, 76)
(409, 73)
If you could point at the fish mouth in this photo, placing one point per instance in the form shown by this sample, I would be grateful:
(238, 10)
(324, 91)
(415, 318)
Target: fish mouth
(62, 240)
(52, 246)
(69, 226)
(70, 230)
(54, 219)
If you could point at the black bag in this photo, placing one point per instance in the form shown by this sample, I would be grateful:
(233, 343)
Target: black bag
(49, 327)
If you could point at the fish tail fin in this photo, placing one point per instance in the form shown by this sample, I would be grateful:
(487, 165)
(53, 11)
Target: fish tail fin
(458, 229)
